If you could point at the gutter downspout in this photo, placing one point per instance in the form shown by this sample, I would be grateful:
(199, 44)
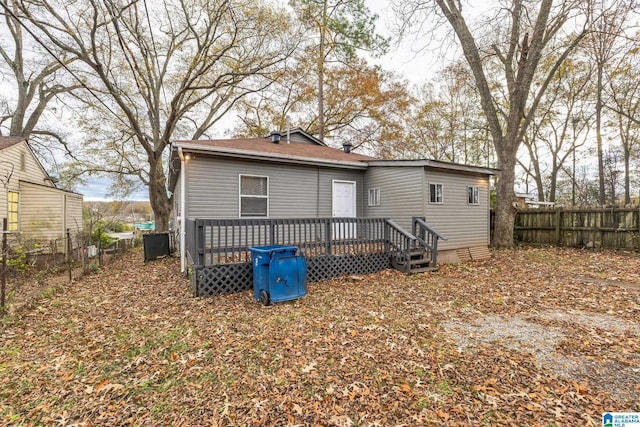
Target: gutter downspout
(183, 213)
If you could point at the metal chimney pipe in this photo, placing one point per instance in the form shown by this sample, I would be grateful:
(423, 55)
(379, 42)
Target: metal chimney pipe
(275, 136)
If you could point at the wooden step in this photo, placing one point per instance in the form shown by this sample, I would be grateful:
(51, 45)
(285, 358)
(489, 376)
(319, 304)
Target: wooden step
(421, 270)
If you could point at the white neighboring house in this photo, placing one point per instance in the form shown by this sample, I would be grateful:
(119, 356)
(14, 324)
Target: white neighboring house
(29, 198)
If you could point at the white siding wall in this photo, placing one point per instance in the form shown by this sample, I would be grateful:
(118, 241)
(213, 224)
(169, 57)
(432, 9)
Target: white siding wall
(462, 224)
(401, 193)
(32, 172)
(73, 214)
(41, 211)
(294, 191)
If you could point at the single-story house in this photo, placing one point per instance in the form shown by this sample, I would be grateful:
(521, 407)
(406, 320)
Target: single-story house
(33, 205)
(297, 176)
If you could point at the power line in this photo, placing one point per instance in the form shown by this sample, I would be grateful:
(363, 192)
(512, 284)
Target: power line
(83, 84)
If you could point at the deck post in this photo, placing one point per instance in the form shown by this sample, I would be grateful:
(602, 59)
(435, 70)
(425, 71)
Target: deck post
(199, 226)
(387, 234)
(327, 236)
(272, 233)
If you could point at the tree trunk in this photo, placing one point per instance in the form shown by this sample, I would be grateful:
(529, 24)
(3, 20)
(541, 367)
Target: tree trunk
(505, 210)
(627, 178)
(554, 179)
(158, 198)
(320, 66)
(539, 187)
(601, 187)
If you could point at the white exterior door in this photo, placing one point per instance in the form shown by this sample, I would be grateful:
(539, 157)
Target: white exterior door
(344, 206)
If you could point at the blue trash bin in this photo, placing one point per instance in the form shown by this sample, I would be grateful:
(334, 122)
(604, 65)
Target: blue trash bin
(278, 273)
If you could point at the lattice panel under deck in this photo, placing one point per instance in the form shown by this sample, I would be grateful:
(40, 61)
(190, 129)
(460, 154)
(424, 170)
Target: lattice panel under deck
(327, 267)
(222, 279)
(231, 278)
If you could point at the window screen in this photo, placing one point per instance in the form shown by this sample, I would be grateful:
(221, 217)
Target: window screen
(254, 196)
(435, 193)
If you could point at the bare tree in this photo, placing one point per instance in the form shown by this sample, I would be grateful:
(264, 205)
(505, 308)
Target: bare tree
(609, 19)
(160, 71)
(515, 50)
(624, 103)
(35, 76)
(448, 123)
(552, 138)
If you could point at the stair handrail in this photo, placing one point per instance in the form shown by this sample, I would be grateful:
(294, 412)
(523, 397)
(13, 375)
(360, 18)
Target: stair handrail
(424, 226)
(407, 240)
(431, 242)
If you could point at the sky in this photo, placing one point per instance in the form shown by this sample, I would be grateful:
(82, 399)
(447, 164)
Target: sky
(96, 189)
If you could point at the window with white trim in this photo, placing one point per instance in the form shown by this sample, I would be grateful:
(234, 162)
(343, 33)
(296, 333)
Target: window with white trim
(435, 193)
(473, 195)
(254, 196)
(374, 197)
(13, 207)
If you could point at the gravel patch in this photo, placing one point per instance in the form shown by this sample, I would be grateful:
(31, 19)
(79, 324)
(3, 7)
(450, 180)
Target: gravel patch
(532, 333)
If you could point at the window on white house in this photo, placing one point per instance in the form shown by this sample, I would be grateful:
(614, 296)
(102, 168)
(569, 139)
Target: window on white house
(12, 210)
(435, 193)
(473, 195)
(374, 197)
(254, 196)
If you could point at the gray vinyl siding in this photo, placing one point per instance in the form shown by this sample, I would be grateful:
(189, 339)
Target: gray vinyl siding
(295, 191)
(462, 224)
(401, 193)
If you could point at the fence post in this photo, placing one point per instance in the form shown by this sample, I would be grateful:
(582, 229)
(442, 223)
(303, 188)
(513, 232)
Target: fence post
(3, 273)
(69, 246)
(100, 260)
(558, 226)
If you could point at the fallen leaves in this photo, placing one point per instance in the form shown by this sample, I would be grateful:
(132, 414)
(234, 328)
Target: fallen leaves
(132, 346)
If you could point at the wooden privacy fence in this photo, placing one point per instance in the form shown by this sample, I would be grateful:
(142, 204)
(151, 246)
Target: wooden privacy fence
(615, 228)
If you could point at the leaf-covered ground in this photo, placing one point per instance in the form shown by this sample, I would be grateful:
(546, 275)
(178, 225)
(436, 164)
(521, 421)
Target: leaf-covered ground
(532, 336)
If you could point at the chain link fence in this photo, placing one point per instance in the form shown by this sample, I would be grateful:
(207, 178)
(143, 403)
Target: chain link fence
(31, 268)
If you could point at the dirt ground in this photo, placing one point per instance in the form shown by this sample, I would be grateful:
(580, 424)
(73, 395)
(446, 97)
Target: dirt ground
(532, 336)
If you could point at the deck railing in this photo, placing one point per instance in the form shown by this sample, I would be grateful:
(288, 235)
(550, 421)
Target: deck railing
(221, 241)
(219, 249)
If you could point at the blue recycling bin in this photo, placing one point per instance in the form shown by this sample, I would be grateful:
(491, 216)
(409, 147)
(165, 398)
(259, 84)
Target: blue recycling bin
(278, 273)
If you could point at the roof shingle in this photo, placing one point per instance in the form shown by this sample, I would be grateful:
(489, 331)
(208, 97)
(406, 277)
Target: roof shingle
(265, 146)
(8, 141)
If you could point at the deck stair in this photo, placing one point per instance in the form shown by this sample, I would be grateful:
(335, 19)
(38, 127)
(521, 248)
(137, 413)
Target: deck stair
(420, 261)
(415, 252)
